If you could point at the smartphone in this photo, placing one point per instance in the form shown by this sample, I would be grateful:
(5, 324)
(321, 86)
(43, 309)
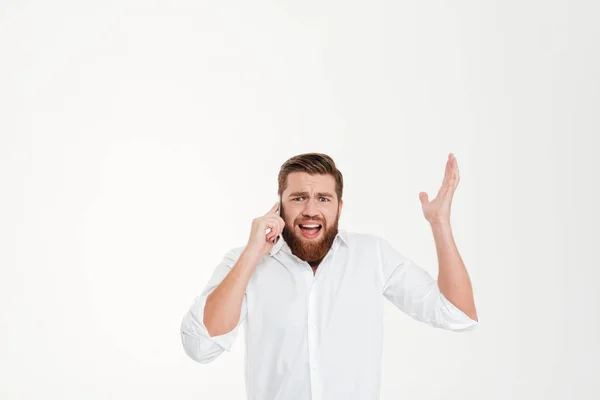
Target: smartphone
(279, 209)
(278, 213)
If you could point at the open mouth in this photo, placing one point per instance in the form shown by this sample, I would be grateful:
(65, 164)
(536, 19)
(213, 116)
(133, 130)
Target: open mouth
(310, 230)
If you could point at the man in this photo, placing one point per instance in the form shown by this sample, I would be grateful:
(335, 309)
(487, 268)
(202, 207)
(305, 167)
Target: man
(312, 302)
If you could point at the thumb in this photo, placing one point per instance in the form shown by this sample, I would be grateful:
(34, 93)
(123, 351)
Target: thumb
(423, 197)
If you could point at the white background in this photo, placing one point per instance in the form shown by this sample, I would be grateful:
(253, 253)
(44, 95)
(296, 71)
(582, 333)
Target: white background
(140, 138)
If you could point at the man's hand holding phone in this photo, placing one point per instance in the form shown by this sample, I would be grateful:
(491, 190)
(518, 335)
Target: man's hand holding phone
(261, 241)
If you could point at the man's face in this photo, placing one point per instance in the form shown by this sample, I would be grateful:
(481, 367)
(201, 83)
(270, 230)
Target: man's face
(310, 200)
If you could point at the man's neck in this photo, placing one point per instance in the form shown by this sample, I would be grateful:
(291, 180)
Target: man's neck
(314, 265)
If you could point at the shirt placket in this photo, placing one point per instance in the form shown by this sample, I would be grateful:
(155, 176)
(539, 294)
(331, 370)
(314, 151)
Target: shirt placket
(313, 338)
(313, 333)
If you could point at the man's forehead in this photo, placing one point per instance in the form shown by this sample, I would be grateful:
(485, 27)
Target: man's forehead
(302, 181)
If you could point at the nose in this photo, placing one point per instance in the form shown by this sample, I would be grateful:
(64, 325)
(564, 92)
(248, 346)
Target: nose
(311, 209)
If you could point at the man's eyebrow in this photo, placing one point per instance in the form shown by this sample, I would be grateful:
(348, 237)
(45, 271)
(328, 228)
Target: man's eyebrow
(319, 194)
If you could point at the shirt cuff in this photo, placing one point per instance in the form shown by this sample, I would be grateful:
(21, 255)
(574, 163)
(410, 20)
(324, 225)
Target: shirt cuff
(455, 319)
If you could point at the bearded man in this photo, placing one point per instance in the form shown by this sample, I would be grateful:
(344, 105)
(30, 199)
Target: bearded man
(311, 294)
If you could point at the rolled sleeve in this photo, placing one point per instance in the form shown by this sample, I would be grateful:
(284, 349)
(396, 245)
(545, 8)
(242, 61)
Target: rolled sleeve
(454, 318)
(415, 292)
(197, 342)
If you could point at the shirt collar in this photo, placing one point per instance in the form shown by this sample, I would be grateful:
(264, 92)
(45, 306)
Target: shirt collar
(341, 236)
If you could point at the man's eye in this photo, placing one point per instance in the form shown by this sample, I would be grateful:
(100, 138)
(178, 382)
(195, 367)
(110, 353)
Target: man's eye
(297, 198)
(325, 198)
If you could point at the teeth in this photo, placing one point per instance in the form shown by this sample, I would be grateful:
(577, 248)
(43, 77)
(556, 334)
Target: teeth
(309, 226)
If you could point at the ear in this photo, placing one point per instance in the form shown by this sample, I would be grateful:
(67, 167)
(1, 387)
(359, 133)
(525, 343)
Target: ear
(340, 207)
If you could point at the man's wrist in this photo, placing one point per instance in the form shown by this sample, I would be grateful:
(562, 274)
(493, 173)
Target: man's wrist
(439, 222)
(440, 225)
(251, 256)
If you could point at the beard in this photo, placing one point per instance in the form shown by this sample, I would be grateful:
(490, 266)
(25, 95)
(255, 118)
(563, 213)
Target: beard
(311, 250)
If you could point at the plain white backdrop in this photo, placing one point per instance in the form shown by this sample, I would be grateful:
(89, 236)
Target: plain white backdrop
(140, 138)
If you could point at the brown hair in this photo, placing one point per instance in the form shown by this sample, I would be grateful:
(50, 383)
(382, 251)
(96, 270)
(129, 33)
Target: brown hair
(313, 164)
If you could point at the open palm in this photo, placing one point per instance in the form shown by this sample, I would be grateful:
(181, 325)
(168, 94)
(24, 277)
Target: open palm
(438, 209)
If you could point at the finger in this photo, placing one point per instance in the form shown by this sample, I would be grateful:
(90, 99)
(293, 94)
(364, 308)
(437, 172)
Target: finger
(453, 181)
(441, 194)
(272, 235)
(274, 225)
(274, 208)
(457, 173)
(270, 229)
(447, 172)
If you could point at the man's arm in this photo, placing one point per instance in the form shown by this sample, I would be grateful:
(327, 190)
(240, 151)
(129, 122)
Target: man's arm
(224, 304)
(453, 278)
(210, 325)
(413, 290)
(198, 343)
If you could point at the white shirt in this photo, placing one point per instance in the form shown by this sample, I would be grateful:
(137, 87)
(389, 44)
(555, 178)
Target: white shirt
(319, 337)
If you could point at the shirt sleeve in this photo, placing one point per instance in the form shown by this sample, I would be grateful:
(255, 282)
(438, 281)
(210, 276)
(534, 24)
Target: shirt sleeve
(415, 292)
(197, 342)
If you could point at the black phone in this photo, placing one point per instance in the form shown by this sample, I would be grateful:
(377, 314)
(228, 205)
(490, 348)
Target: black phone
(278, 213)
